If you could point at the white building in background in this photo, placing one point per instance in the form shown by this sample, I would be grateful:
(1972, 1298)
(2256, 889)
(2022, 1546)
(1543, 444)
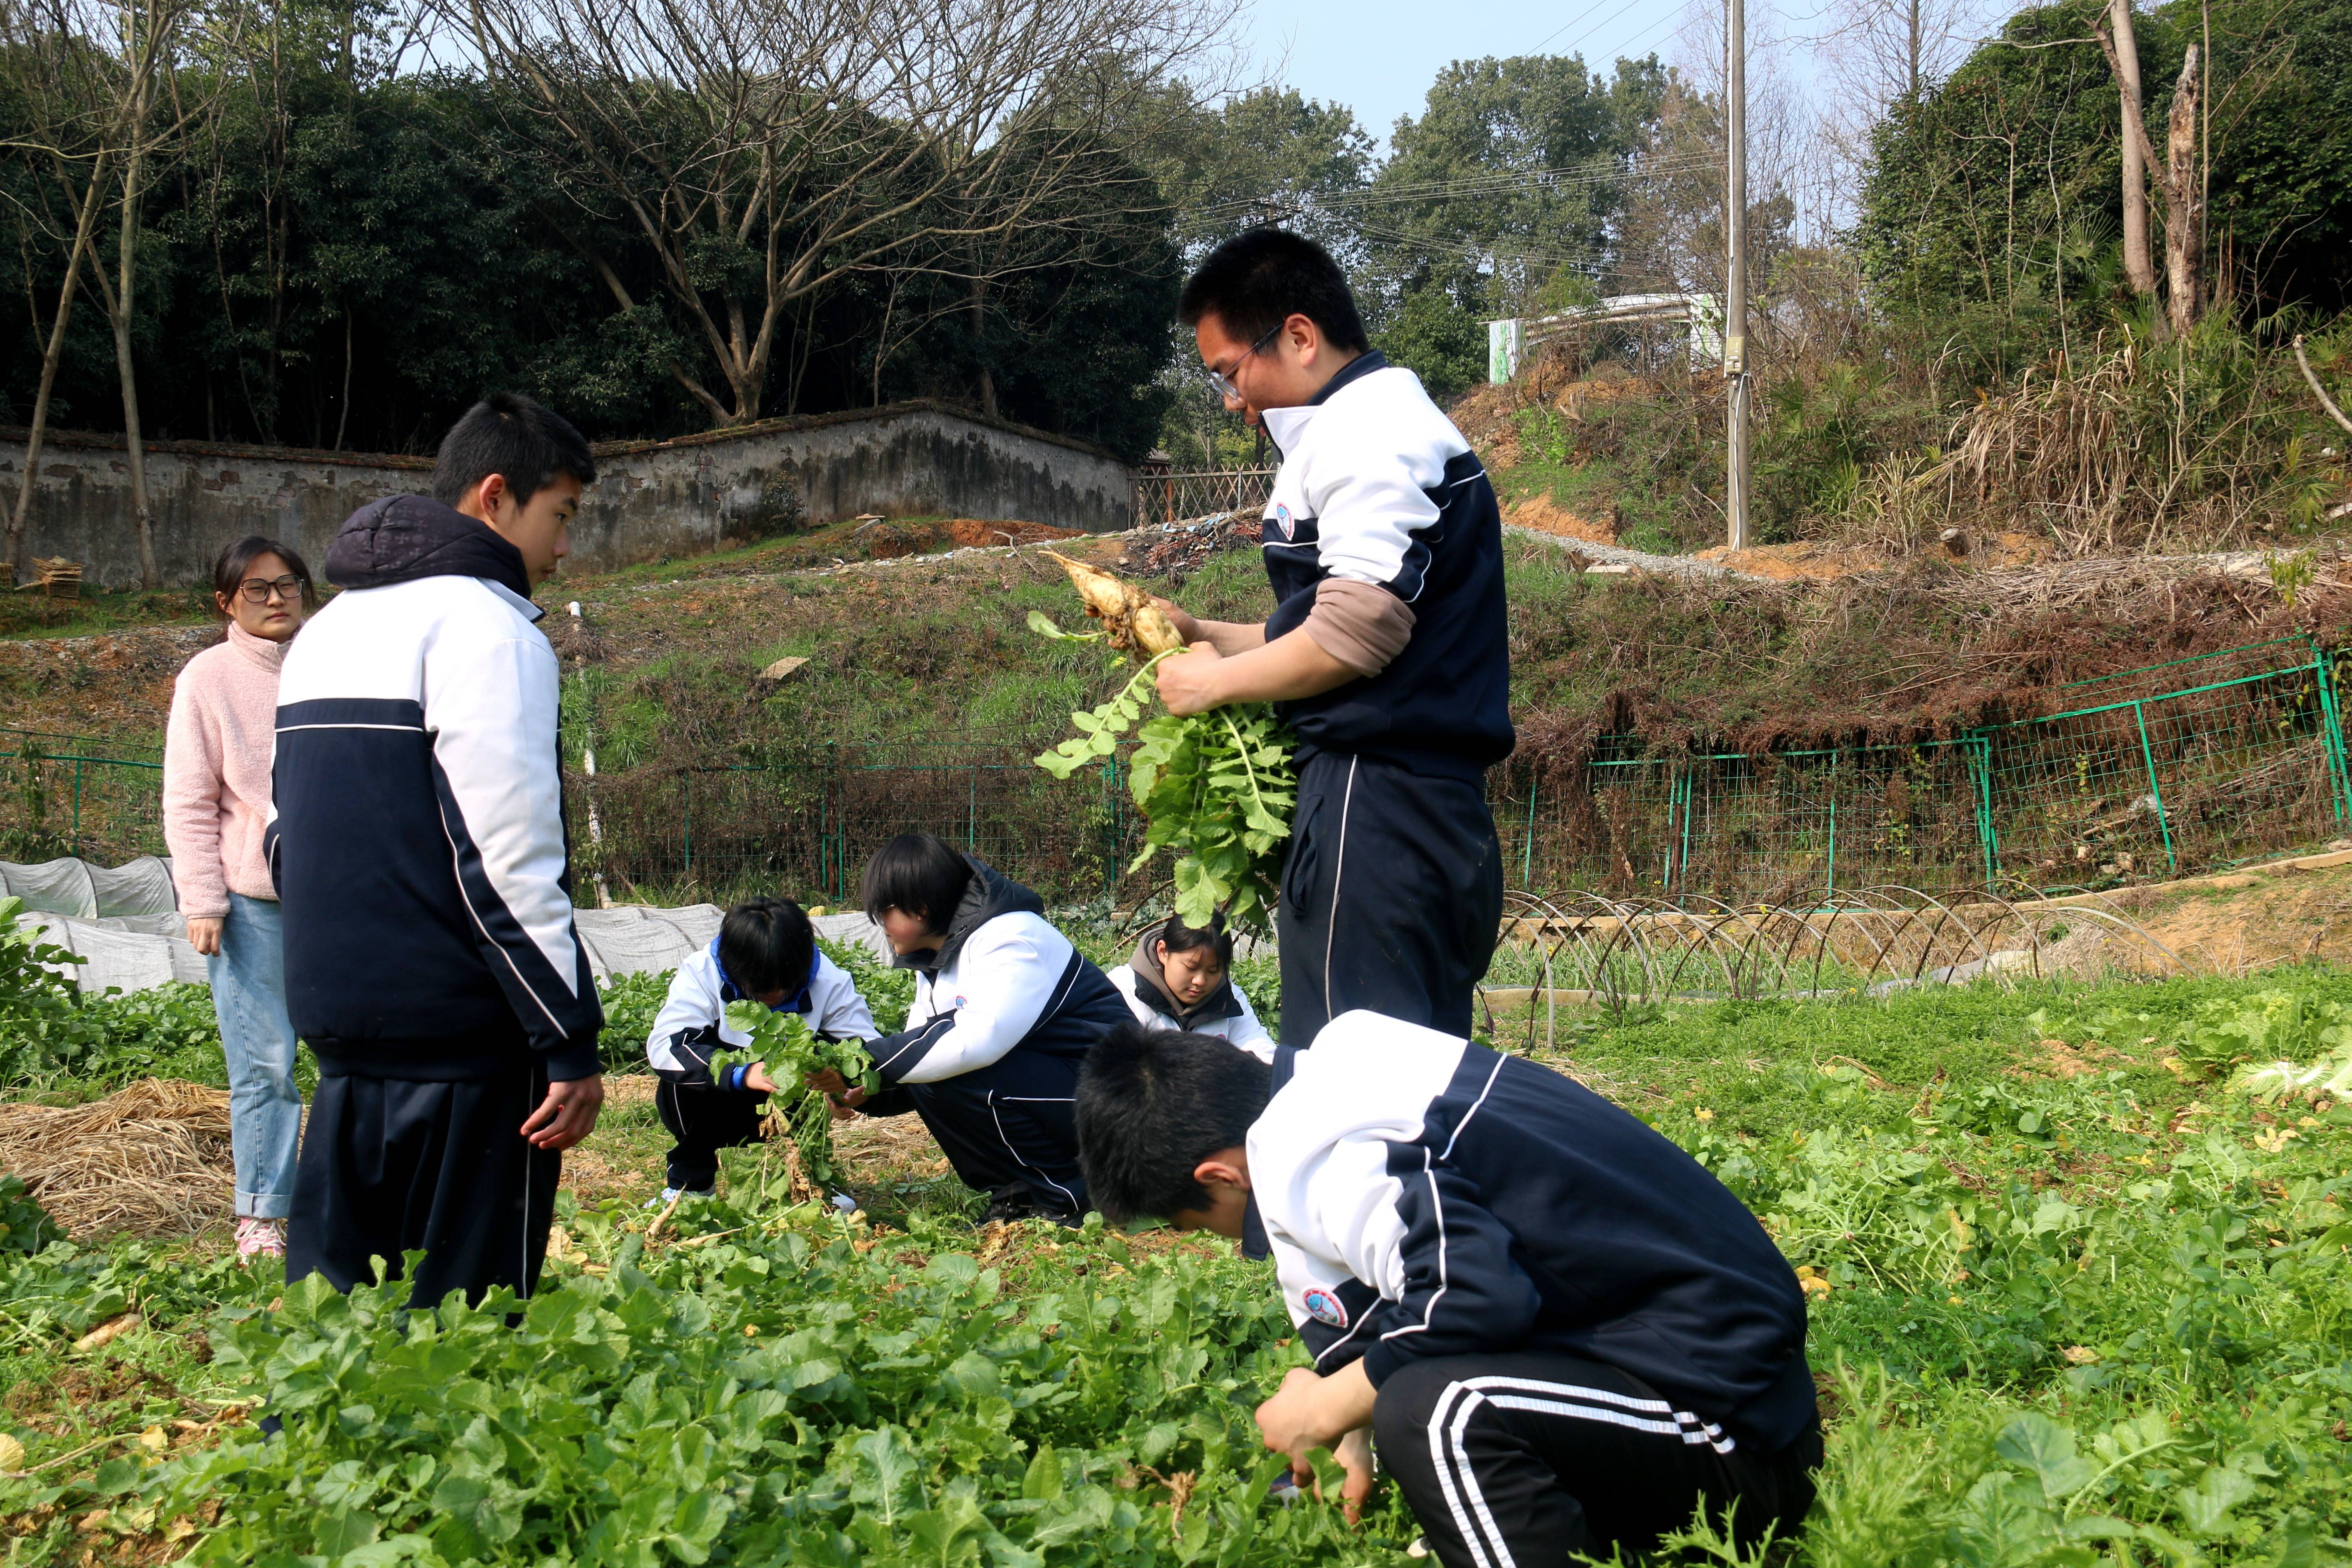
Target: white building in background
(1510, 342)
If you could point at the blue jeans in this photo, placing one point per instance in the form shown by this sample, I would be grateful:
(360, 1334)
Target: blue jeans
(265, 1109)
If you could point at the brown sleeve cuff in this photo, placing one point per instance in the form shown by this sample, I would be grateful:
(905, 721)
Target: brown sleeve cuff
(1359, 624)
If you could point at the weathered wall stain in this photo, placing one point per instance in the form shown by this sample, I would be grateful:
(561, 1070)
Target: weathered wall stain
(651, 498)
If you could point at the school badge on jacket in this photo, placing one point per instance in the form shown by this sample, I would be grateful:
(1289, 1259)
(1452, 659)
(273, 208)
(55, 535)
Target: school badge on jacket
(1278, 519)
(1324, 1307)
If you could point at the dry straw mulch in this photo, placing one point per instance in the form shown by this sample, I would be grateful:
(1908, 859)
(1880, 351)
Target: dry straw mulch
(153, 1159)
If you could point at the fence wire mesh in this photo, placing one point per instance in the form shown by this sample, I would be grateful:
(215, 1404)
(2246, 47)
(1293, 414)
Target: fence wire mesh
(72, 794)
(2167, 771)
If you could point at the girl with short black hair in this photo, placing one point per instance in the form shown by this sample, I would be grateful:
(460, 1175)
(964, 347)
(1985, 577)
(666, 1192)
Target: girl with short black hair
(1005, 1010)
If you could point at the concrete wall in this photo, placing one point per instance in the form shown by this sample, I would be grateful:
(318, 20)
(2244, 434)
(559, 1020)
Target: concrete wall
(651, 498)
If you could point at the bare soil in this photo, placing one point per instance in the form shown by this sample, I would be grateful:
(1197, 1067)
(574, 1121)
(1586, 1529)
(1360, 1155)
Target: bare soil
(1545, 515)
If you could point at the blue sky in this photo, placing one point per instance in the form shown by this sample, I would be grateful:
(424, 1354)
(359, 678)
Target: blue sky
(1379, 56)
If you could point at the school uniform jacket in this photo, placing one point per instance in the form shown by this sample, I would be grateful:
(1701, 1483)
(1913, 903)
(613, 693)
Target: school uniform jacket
(1234, 1021)
(693, 1020)
(417, 834)
(1424, 1197)
(1377, 485)
(1003, 980)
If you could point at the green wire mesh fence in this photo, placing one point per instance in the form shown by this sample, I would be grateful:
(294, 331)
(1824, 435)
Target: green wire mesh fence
(2178, 768)
(807, 825)
(72, 794)
(2189, 766)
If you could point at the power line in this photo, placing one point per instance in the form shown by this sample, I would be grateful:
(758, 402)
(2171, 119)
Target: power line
(1564, 26)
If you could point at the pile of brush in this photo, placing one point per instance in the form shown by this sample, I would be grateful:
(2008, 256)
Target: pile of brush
(153, 1159)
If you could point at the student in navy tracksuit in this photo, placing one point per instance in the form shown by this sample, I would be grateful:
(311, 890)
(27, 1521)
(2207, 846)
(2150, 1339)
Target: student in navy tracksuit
(1005, 1010)
(1387, 650)
(418, 841)
(765, 952)
(1564, 1335)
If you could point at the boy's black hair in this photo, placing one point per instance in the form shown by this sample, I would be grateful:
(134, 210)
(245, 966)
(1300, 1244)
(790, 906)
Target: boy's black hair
(507, 433)
(1263, 277)
(1154, 1103)
(1178, 937)
(767, 945)
(920, 874)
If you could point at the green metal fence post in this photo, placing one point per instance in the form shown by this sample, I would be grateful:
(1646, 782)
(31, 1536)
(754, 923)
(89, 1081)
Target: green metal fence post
(1829, 894)
(77, 806)
(2331, 717)
(1686, 784)
(2155, 790)
(1527, 849)
(1981, 764)
(685, 782)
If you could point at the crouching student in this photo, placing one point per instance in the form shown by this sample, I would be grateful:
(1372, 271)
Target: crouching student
(1005, 1010)
(766, 952)
(1181, 977)
(1561, 1333)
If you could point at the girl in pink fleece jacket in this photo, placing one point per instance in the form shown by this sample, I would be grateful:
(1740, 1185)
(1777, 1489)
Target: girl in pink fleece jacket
(217, 759)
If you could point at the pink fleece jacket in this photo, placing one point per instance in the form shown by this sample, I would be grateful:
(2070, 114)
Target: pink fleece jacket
(216, 756)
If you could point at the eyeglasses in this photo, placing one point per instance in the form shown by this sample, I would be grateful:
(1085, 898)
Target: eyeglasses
(257, 590)
(1223, 379)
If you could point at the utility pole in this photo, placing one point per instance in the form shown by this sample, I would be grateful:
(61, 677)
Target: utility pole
(1734, 290)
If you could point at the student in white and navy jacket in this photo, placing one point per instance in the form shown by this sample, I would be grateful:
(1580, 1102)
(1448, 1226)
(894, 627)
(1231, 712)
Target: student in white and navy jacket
(1565, 1335)
(417, 840)
(1005, 1010)
(765, 952)
(1387, 651)
(1181, 977)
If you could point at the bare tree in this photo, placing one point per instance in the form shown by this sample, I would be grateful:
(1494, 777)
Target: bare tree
(149, 37)
(763, 151)
(2139, 266)
(103, 72)
(62, 85)
(1876, 54)
(2181, 180)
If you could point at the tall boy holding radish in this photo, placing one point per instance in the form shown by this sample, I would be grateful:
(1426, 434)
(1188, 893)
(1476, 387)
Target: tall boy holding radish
(1387, 650)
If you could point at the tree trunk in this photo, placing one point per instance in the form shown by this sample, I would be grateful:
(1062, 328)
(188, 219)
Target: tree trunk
(84, 226)
(979, 347)
(2139, 265)
(1913, 59)
(120, 304)
(2184, 214)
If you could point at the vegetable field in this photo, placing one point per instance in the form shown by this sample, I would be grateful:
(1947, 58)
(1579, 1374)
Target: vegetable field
(2079, 1284)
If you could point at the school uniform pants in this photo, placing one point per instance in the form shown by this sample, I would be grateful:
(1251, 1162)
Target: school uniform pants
(1392, 895)
(1523, 1458)
(392, 1165)
(1008, 1130)
(702, 1121)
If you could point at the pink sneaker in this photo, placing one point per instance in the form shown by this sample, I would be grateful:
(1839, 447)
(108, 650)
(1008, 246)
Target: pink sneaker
(255, 1237)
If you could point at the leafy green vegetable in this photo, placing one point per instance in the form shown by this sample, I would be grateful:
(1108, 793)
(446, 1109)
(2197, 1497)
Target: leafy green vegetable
(1217, 788)
(632, 1003)
(792, 1051)
(24, 1225)
(887, 992)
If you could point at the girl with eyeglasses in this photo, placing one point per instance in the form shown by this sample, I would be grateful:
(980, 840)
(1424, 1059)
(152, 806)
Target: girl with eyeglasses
(217, 763)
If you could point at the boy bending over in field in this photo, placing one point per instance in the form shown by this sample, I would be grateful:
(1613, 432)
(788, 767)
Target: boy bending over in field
(1562, 1332)
(1005, 1010)
(766, 952)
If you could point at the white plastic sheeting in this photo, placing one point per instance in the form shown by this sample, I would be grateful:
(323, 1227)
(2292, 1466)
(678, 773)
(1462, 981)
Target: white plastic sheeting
(631, 939)
(131, 949)
(70, 887)
(136, 953)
